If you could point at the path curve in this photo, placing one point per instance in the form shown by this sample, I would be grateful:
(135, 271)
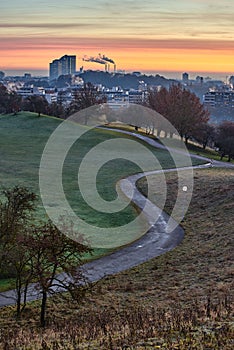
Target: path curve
(154, 243)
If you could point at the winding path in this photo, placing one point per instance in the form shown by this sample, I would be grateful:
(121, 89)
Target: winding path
(154, 243)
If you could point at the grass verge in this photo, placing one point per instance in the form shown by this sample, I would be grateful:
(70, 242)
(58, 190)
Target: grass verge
(191, 146)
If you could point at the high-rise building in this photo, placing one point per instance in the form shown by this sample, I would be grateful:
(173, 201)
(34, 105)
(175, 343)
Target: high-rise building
(185, 77)
(62, 66)
(68, 64)
(55, 69)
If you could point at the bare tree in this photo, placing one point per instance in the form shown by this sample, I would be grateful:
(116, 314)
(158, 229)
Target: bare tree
(37, 104)
(225, 140)
(86, 97)
(181, 107)
(205, 134)
(57, 110)
(15, 212)
(52, 252)
(15, 219)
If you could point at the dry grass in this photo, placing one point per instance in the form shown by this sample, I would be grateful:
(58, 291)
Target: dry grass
(181, 300)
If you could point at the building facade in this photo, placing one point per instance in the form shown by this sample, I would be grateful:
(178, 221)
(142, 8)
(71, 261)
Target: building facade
(219, 99)
(62, 66)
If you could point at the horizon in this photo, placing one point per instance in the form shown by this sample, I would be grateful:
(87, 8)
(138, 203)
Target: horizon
(195, 36)
(167, 74)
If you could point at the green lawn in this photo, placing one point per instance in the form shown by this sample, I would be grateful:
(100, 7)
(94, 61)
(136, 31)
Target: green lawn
(22, 141)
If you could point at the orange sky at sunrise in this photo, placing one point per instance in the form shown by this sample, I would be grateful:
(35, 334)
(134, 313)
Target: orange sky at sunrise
(154, 36)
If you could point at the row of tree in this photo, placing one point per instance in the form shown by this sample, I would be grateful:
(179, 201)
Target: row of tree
(188, 115)
(37, 253)
(182, 108)
(85, 97)
(179, 106)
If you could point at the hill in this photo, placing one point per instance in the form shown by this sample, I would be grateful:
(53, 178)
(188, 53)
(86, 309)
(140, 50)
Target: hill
(125, 81)
(180, 300)
(22, 141)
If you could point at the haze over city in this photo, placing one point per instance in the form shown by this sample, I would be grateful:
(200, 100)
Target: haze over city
(153, 36)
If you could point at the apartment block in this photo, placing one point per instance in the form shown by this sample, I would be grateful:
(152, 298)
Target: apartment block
(62, 66)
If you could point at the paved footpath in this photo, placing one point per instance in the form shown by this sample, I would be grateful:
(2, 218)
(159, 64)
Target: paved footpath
(155, 242)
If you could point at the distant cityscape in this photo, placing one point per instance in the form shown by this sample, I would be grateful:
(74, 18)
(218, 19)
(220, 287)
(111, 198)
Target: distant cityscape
(118, 87)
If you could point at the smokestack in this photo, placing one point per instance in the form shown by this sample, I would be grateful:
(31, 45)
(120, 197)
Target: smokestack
(101, 59)
(105, 58)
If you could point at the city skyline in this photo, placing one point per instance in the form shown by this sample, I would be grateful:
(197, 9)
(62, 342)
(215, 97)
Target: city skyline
(195, 36)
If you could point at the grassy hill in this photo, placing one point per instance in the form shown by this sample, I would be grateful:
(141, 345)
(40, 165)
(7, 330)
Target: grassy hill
(181, 300)
(22, 141)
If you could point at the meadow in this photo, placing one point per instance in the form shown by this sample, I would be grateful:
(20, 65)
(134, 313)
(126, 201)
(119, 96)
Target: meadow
(180, 300)
(22, 141)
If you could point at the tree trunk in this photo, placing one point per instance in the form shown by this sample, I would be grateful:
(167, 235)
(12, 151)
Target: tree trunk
(18, 302)
(18, 298)
(43, 308)
(25, 296)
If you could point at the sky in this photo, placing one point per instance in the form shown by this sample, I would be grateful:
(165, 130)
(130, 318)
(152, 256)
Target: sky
(147, 36)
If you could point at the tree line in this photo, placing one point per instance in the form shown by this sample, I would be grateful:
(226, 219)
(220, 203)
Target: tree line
(36, 253)
(178, 105)
(188, 115)
(83, 98)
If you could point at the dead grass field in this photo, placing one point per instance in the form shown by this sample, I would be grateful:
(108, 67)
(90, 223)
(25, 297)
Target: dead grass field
(180, 300)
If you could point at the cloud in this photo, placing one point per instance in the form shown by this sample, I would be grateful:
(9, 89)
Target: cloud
(46, 25)
(68, 43)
